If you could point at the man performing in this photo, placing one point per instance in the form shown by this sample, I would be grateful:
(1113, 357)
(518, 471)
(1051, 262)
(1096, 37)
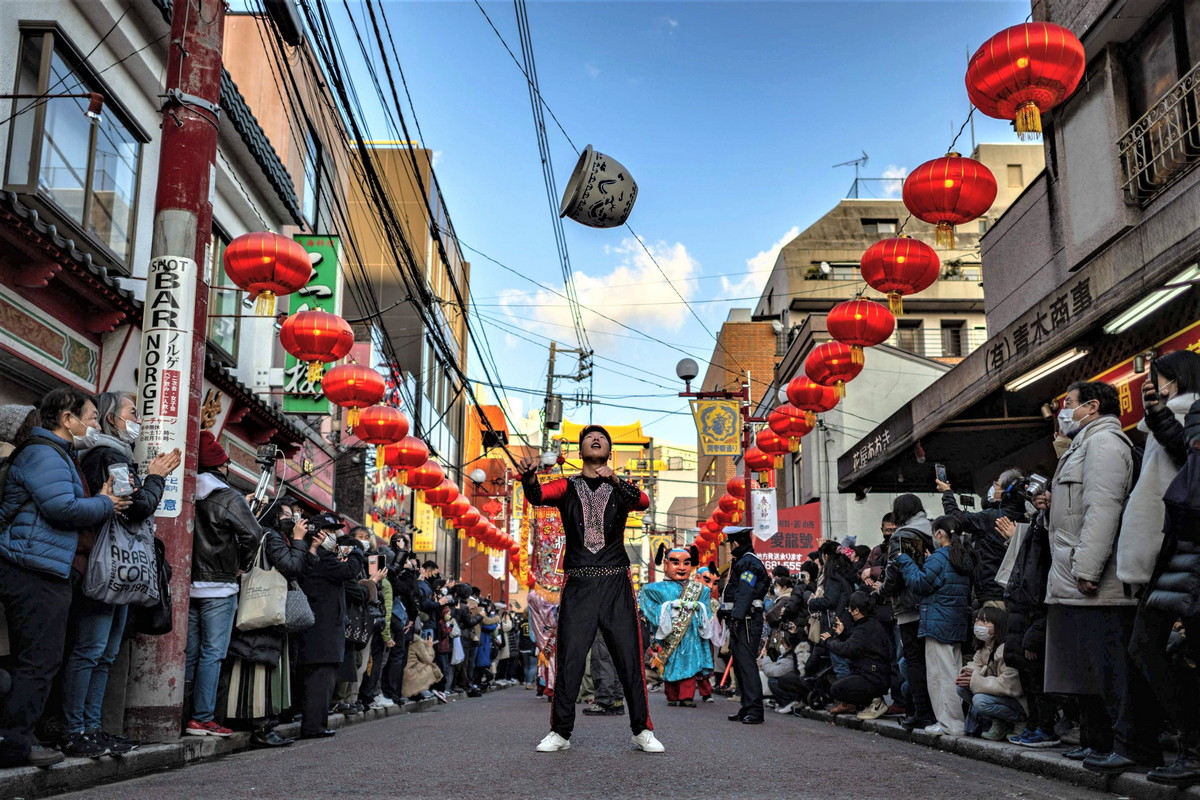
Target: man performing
(598, 591)
(743, 609)
(678, 608)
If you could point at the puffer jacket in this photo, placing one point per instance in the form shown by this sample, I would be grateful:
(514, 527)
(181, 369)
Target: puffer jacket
(1142, 524)
(45, 505)
(1089, 491)
(915, 539)
(991, 674)
(1025, 594)
(420, 672)
(1175, 585)
(226, 534)
(94, 463)
(984, 542)
(868, 646)
(945, 596)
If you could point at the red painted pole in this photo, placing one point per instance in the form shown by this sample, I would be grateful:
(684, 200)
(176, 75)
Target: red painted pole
(182, 229)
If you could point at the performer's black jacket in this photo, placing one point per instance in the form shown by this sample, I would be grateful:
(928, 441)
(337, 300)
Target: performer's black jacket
(748, 581)
(561, 493)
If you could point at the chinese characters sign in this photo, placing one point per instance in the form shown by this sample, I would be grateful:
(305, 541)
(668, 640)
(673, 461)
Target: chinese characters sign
(424, 527)
(1041, 325)
(872, 447)
(762, 506)
(300, 396)
(165, 368)
(717, 426)
(799, 534)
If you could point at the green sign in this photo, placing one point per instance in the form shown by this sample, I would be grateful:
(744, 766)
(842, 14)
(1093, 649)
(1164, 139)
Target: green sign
(323, 292)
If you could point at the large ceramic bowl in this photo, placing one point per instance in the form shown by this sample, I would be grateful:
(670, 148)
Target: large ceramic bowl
(600, 193)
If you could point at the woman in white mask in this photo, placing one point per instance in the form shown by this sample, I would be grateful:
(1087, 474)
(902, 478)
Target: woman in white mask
(990, 687)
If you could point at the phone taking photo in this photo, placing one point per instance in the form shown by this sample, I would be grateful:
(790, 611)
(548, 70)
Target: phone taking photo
(940, 471)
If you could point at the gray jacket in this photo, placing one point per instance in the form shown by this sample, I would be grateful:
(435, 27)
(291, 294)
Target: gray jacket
(1088, 495)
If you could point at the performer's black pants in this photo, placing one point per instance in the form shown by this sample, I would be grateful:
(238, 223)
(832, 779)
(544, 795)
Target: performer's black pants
(316, 690)
(606, 602)
(744, 638)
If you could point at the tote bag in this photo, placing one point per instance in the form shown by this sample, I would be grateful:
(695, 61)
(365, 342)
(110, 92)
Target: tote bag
(122, 569)
(262, 600)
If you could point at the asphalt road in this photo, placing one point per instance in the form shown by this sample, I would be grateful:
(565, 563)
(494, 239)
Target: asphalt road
(483, 748)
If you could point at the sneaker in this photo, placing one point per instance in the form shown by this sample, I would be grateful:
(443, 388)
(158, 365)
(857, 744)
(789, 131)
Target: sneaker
(441, 696)
(786, 709)
(210, 728)
(116, 746)
(874, 711)
(1033, 737)
(384, 701)
(553, 743)
(646, 742)
(44, 757)
(935, 729)
(708, 698)
(80, 745)
(119, 738)
(376, 705)
(995, 733)
(770, 703)
(655, 688)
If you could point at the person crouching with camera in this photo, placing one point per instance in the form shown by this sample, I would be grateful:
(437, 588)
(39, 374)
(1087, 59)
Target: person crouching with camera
(868, 646)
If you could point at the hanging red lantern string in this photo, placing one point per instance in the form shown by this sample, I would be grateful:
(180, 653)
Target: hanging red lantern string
(773, 445)
(860, 323)
(810, 397)
(316, 337)
(405, 455)
(455, 509)
(441, 496)
(1024, 71)
(425, 477)
(736, 485)
(381, 425)
(266, 265)
(728, 503)
(469, 519)
(833, 364)
(899, 267)
(791, 424)
(758, 461)
(476, 532)
(352, 386)
(949, 191)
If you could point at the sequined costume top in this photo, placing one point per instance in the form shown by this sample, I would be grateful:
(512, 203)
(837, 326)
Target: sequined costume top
(593, 512)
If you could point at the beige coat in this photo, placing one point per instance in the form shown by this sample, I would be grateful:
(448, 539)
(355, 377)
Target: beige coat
(996, 678)
(1087, 498)
(419, 672)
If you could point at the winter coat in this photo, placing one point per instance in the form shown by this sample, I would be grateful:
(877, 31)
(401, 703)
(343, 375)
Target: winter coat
(419, 671)
(1175, 585)
(1142, 523)
(945, 596)
(1025, 594)
(325, 641)
(869, 647)
(1089, 491)
(915, 538)
(991, 675)
(225, 536)
(838, 581)
(46, 505)
(265, 645)
(985, 544)
(483, 653)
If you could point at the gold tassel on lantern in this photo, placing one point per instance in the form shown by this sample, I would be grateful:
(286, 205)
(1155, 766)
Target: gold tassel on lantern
(379, 457)
(264, 303)
(793, 446)
(1028, 122)
(471, 542)
(352, 417)
(315, 370)
(462, 534)
(944, 235)
(840, 386)
(896, 303)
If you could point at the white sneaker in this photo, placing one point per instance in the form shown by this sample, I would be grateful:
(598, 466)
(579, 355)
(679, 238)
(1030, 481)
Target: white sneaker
(935, 729)
(646, 742)
(386, 702)
(553, 743)
(785, 709)
(874, 711)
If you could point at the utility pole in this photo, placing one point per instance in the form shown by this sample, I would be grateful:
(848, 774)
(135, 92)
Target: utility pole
(171, 372)
(549, 397)
(652, 493)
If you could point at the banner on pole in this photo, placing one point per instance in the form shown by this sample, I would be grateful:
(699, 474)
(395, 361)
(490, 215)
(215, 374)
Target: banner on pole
(165, 369)
(496, 566)
(765, 520)
(717, 428)
(424, 528)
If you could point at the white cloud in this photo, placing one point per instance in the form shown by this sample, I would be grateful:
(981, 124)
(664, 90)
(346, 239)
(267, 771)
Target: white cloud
(760, 267)
(674, 23)
(435, 158)
(894, 185)
(632, 292)
(592, 70)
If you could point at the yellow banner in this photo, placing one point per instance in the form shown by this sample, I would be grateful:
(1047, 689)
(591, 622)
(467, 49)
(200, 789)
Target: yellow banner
(717, 427)
(425, 525)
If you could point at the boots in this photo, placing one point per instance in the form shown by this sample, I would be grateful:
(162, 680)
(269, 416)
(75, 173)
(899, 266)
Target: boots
(1185, 771)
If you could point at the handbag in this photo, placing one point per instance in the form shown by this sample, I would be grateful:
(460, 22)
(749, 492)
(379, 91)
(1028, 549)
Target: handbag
(121, 569)
(297, 612)
(359, 625)
(155, 619)
(262, 600)
(457, 654)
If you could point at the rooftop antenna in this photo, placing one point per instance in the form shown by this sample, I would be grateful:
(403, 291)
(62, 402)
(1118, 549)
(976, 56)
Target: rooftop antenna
(857, 163)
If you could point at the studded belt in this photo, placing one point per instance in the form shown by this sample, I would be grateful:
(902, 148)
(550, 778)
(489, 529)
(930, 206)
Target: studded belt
(595, 572)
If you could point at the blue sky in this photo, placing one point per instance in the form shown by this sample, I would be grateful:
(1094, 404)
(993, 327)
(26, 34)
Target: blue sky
(730, 117)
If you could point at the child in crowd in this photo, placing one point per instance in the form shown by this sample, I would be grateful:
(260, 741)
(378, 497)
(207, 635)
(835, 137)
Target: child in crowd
(990, 686)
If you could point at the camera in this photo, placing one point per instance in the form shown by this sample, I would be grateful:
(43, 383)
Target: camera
(1032, 486)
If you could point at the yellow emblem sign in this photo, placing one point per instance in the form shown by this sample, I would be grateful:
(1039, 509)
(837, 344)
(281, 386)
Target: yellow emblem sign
(717, 427)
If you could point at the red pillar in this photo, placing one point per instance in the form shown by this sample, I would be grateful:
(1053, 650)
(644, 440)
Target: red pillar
(182, 228)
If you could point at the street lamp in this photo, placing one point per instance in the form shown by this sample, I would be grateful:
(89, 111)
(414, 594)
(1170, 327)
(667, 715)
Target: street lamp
(477, 476)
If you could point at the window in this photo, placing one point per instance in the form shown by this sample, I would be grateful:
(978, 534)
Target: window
(954, 343)
(224, 326)
(908, 336)
(85, 170)
(877, 226)
(313, 166)
(1016, 176)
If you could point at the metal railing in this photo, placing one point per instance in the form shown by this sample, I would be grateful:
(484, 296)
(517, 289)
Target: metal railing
(943, 343)
(1164, 144)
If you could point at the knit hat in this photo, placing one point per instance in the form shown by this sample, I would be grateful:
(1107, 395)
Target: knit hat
(211, 452)
(12, 417)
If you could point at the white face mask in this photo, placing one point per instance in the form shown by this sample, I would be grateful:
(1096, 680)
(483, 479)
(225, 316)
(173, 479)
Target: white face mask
(329, 542)
(131, 432)
(88, 440)
(994, 494)
(364, 544)
(983, 633)
(1067, 422)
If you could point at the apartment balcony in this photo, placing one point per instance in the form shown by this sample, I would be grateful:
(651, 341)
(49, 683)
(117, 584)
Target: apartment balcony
(947, 343)
(1164, 145)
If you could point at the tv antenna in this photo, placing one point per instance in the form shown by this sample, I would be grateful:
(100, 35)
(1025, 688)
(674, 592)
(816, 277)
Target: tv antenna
(857, 163)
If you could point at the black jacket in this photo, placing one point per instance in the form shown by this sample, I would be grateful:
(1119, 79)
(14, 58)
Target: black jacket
(869, 647)
(323, 585)
(225, 538)
(986, 545)
(916, 544)
(564, 494)
(1165, 427)
(95, 463)
(1025, 595)
(1175, 585)
(748, 582)
(838, 579)
(265, 645)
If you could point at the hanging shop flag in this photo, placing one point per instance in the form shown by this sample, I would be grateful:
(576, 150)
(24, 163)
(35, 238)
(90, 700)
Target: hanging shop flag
(425, 527)
(496, 565)
(323, 292)
(766, 521)
(717, 427)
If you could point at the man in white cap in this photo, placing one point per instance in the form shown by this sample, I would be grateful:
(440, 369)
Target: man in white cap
(742, 608)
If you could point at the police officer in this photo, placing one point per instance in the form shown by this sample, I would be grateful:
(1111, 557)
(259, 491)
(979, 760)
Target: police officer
(742, 607)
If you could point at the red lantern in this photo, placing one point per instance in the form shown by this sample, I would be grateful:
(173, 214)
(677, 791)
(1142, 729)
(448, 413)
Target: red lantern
(405, 455)
(456, 508)
(811, 398)
(791, 424)
(441, 497)
(949, 191)
(468, 520)
(317, 337)
(381, 425)
(773, 445)
(758, 461)
(1024, 71)
(736, 486)
(899, 267)
(425, 477)
(722, 518)
(860, 323)
(477, 531)
(352, 386)
(832, 364)
(729, 504)
(267, 264)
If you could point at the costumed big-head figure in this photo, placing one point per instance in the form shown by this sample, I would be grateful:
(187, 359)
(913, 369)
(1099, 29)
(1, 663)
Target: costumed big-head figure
(708, 576)
(677, 563)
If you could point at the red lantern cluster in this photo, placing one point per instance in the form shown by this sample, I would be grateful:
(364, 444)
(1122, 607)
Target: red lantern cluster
(317, 337)
(860, 323)
(833, 364)
(407, 454)
(899, 267)
(353, 386)
(791, 424)
(949, 191)
(1023, 72)
(266, 264)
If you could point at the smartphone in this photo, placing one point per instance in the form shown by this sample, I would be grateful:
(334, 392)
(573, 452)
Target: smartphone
(380, 562)
(940, 471)
(122, 480)
(344, 550)
(1154, 375)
